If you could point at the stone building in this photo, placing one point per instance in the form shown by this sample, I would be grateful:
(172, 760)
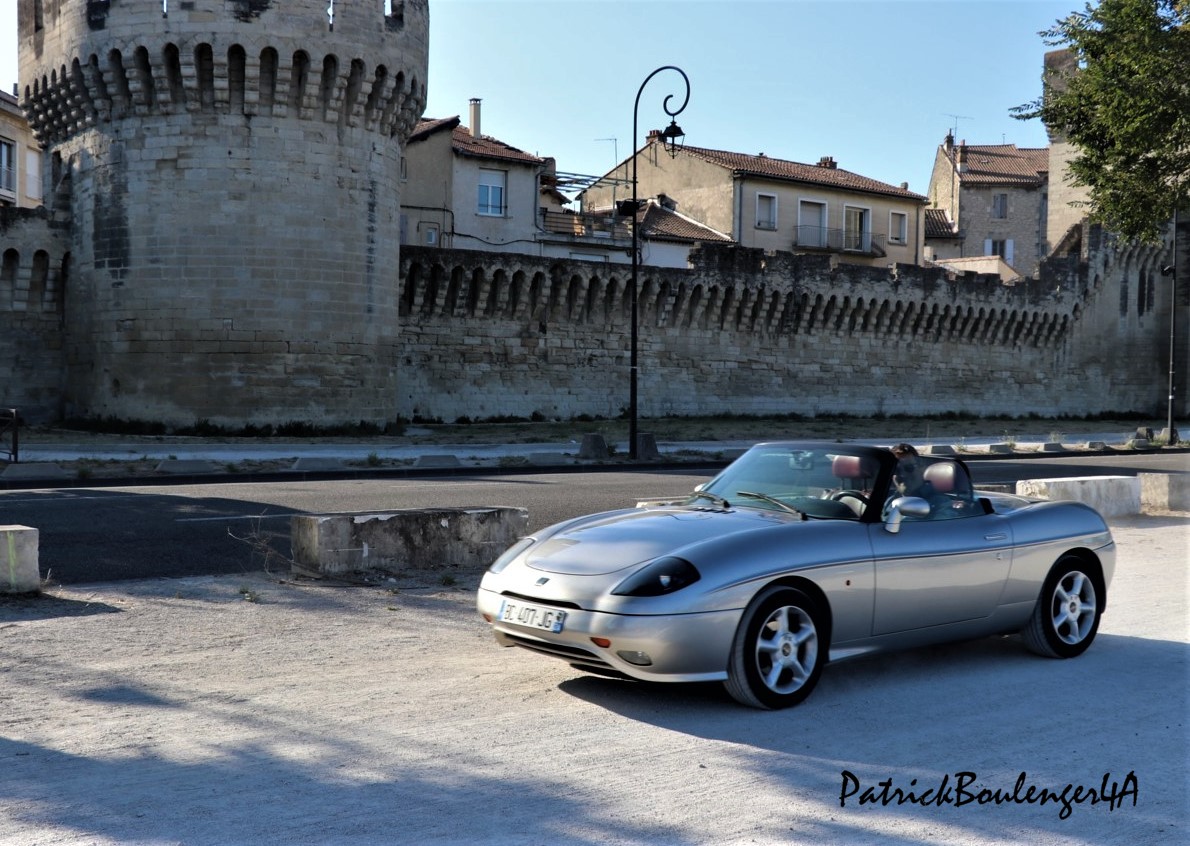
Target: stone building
(989, 200)
(465, 190)
(774, 204)
(20, 157)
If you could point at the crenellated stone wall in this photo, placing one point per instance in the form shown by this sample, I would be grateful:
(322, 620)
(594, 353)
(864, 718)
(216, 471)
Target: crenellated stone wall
(752, 333)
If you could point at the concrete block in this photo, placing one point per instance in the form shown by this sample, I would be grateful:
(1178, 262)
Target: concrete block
(439, 539)
(594, 448)
(939, 449)
(34, 470)
(19, 570)
(1111, 496)
(437, 461)
(1000, 449)
(1052, 446)
(315, 465)
(646, 446)
(1165, 491)
(186, 466)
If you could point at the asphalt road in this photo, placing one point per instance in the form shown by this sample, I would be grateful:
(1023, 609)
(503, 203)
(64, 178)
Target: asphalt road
(117, 533)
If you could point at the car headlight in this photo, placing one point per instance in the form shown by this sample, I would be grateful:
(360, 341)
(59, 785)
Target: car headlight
(665, 575)
(509, 555)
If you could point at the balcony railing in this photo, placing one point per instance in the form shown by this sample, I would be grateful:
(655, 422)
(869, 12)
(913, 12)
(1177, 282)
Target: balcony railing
(585, 225)
(837, 240)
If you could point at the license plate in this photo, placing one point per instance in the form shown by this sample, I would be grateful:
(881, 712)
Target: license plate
(532, 616)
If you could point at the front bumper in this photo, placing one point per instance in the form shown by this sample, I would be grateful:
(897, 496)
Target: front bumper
(680, 647)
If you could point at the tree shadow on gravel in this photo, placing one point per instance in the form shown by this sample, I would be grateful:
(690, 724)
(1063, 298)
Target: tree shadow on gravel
(25, 607)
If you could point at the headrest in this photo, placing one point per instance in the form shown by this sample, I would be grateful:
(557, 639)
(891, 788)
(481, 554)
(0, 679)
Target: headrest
(943, 476)
(847, 467)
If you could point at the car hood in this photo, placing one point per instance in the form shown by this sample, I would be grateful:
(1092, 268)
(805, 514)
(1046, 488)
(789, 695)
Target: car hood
(606, 543)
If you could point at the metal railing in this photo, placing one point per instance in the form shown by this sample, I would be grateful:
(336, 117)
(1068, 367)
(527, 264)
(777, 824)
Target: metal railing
(585, 225)
(838, 240)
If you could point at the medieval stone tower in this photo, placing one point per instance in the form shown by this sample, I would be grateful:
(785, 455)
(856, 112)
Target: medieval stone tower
(232, 169)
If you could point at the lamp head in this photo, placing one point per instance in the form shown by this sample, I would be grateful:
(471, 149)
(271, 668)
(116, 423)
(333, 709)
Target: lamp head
(673, 137)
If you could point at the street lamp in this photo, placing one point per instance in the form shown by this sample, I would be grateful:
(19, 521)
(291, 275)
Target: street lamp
(671, 139)
(1171, 270)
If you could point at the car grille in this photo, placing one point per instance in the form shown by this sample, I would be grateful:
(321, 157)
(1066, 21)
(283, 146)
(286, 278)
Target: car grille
(537, 600)
(573, 654)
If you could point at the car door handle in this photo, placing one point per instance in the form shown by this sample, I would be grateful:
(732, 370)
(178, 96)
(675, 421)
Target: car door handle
(997, 536)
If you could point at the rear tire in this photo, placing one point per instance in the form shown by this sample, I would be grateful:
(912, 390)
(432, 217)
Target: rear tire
(1068, 610)
(779, 650)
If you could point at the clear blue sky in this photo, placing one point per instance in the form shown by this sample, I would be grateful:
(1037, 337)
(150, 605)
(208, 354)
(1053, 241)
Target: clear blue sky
(874, 83)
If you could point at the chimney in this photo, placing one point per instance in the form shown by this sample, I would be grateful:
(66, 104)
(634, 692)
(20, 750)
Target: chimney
(475, 133)
(948, 144)
(828, 162)
(654, 135)
(961, 158)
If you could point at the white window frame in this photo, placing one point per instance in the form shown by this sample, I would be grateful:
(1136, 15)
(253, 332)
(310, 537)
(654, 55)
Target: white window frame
(32, 178)
(491, 180)
(898, 233)
(766, 221)
(431, 236)
(8, 166)
(821, 224)
(864, 243)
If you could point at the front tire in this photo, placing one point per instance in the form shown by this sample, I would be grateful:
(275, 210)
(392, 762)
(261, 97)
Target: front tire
(1068, 610)
(779, 650)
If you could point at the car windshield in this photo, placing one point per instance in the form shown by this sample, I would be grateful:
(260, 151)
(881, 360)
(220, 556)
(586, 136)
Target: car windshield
(823, 482)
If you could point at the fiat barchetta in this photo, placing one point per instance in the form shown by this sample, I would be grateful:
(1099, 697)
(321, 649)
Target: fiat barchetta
(797, 554)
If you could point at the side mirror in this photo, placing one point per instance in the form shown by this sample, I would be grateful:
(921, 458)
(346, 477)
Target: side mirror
(904, 506)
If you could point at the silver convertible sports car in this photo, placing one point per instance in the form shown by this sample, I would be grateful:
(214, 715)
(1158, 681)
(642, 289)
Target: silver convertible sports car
(796, 554)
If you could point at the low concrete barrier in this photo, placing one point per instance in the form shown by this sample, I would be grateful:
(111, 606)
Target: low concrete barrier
(18, 552)
(399, 541)
(1111, 496)
(1165, 491)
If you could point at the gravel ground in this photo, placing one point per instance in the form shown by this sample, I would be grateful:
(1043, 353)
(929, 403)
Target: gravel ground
(259, 709)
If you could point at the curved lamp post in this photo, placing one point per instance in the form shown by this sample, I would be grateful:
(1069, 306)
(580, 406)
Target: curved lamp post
(1171, 270)
(671, 138)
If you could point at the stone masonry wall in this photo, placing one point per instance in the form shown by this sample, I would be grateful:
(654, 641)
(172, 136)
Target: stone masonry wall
(752, 333)
(34, 266)
(234, 197)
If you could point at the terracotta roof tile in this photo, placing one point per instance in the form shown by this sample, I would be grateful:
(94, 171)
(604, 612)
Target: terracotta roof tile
(662, 224)
(466, 144)
(780, 169)
(488, 147)
(426, 128)
(939, 225)
(1003, 164)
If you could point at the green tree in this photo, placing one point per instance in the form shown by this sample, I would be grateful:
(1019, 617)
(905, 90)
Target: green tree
(1125, 105)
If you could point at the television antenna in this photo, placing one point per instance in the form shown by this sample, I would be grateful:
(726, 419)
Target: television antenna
(955, 131)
